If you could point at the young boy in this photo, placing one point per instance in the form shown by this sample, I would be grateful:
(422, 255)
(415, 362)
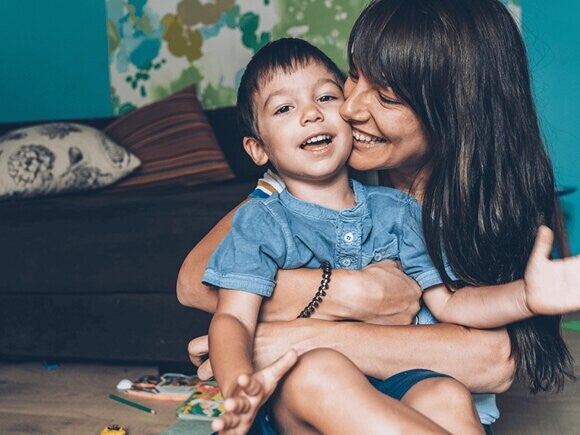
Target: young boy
(288, 100)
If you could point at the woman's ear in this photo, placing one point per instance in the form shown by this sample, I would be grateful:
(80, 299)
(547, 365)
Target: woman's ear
(255, 150)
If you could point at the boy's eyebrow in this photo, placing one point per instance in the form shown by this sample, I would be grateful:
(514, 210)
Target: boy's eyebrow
(283, 91)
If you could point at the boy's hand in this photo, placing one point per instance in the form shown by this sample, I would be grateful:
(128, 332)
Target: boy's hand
(250, 393)
(551, 286)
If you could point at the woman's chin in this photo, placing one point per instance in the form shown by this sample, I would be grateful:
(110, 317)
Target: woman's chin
(367, 158)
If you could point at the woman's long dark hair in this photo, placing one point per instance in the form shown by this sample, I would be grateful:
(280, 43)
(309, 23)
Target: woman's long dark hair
(461, 66)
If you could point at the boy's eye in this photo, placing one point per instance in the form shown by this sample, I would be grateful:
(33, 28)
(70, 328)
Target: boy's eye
(282, 109)
(326, 98)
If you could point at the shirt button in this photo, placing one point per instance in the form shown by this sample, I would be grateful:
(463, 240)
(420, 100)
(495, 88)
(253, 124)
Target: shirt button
(345, 261)
(378, 257)
(348, 237)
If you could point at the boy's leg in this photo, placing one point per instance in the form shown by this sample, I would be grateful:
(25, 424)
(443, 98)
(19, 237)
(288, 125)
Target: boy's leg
(447, 402)
(326, 393)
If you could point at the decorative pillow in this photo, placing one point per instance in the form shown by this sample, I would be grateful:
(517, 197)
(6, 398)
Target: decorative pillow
(59, 157)
(173, 140)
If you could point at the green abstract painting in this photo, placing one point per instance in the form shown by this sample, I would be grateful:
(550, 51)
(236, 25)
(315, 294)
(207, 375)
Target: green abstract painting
(157, 47)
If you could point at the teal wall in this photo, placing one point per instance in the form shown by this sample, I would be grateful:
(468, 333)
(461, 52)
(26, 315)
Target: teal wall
(55, 65)
(54, 60)
(552, 33)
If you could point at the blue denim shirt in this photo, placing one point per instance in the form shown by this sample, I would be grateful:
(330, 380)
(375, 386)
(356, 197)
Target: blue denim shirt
(283, 232)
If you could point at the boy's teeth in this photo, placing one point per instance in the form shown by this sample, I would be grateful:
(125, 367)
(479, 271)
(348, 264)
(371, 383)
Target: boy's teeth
(318, 138)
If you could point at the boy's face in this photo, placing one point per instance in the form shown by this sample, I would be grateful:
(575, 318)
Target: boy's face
(302, 132)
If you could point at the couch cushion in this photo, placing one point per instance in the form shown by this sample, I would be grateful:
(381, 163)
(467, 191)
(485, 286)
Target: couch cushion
(224, 122)
(127, 242)
(174, 141)
(59, 157)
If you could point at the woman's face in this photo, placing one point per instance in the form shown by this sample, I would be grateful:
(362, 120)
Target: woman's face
(387, 133)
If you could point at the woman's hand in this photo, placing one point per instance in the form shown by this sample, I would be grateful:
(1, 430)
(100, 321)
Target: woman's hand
(551, 286)
(198, 350)
(382, 294)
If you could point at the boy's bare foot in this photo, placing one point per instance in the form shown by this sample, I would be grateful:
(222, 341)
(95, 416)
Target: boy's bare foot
(250, 394)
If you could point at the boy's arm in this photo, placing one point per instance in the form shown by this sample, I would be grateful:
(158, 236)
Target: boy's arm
(231, 337)
(479, 307)
(549, 287)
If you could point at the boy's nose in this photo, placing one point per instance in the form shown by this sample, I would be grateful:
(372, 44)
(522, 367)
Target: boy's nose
(312, 113)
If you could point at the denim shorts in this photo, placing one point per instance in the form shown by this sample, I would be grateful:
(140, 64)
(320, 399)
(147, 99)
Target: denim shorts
(396, 387)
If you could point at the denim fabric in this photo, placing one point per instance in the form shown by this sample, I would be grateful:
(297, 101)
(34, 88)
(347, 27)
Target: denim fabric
(283, 232)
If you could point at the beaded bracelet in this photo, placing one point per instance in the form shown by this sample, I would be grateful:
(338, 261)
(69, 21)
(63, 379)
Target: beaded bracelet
(317, 299)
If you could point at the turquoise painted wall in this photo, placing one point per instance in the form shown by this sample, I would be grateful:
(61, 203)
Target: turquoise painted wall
(552, 33)
(55, 66)
(54, 60)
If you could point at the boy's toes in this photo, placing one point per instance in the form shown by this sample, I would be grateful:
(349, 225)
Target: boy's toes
(224, 422)
(237, 405)
(250, 385)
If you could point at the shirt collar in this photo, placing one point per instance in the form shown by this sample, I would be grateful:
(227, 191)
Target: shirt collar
(318, 212)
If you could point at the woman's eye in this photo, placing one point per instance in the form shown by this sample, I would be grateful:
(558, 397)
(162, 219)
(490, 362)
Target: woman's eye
(282, 109)
(387, 100)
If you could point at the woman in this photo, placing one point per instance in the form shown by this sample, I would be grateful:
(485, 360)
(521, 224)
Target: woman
(439, 99)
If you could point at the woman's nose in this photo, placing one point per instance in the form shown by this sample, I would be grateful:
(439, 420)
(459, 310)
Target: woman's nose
(354, 107)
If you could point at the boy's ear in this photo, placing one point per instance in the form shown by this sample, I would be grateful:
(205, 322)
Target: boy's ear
(255, 150)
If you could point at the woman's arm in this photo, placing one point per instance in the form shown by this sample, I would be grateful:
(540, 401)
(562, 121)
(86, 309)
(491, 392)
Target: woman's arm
(480, 359)
(190, 291)
(380, 293)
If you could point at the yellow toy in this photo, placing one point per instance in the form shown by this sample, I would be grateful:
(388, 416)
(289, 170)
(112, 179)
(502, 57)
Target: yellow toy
(114, 429)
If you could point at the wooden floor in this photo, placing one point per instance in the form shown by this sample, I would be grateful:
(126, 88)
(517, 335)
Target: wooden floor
(73, 399)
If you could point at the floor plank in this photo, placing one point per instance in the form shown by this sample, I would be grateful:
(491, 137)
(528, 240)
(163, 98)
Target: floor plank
(526, 414)
(73, 399)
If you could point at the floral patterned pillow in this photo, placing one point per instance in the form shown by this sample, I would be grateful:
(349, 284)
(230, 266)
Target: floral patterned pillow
(55, 158)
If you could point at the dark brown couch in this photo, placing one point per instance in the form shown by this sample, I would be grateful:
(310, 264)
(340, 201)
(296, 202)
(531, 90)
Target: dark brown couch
(92, 275)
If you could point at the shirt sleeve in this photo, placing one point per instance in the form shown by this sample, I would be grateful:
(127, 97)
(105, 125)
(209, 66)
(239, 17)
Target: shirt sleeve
(267, 185)
(413, 253)
(251, 253)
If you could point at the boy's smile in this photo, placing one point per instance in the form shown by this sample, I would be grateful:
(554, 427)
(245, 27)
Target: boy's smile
(302, 132)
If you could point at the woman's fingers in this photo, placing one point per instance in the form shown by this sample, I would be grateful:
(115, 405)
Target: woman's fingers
(197, 348)
(543, 244)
